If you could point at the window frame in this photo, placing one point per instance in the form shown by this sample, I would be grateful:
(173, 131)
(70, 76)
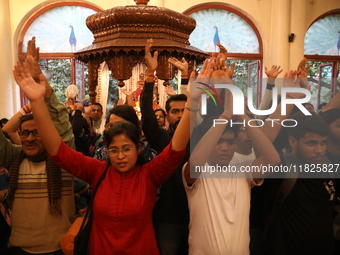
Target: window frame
(53, 55)
(334, 61)
(256, 57)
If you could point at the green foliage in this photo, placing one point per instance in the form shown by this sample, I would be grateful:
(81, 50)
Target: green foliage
(174, 82)
(325, 81)
(58, 74)
(240, 76)
(113, 92)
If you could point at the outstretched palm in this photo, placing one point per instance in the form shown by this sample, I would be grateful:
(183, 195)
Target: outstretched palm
(32, 90)
(151, 61)
(125, 92)
(170, 91)
(181, 65)
(303, 68)
(273, 72)
(203, 78)
(292, 80)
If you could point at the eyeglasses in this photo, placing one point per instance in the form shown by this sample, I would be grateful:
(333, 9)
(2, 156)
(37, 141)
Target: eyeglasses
(26, 133)
(127, 151)
(96, 110)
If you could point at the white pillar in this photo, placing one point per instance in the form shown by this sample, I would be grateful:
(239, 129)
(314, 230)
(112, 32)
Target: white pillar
(7, 95)
(298, 27)
(279, 33)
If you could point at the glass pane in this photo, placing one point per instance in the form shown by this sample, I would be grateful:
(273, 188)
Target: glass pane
(58, 74)
(325, 81)
(61, 29)
(337, 79)
(240, 77)
(217, 25)
(113, 92)
(253, 81)
(322, 38)
(80, 79)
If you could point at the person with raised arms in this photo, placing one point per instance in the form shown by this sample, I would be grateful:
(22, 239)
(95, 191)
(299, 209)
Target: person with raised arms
(122, 208)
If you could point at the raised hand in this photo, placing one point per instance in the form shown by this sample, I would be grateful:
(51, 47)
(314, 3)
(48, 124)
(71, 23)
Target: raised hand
(229, 71)
(125, 92)
(33, 59)
(23, 77)
(221, 69)
(223, 50)
(120, 101)
(293, 80)
(197, 84)
(151, 61)
(169, 90)
(290, 79)
(32, 49)
(273, 73)
(207, 69)
(302, 69)
(180, 65)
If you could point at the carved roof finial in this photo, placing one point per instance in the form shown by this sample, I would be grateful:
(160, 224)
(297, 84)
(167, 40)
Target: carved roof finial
(141, 2)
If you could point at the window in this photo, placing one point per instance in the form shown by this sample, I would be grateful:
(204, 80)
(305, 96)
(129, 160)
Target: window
(237, 33)
(60, 30)
(322, 49)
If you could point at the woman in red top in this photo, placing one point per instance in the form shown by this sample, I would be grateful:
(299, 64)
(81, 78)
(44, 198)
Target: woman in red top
(124, 201)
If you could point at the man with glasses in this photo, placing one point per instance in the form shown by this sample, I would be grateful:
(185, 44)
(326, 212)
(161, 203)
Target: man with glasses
(40, 193)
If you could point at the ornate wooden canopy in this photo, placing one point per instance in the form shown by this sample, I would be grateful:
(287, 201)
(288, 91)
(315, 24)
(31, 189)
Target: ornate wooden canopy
(120, 36)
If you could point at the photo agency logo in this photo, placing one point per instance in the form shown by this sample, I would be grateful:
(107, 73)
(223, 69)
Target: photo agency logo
(238, 104)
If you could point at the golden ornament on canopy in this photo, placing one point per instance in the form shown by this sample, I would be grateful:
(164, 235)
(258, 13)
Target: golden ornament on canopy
(120, 36)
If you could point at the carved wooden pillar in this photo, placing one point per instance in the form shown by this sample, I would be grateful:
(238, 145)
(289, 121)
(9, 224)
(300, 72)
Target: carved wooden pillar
(155, 90)
(93, 66)
(121, 66)
(192, 66)
(165, 71)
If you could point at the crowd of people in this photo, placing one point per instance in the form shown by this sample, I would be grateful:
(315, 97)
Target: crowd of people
(160, 194)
